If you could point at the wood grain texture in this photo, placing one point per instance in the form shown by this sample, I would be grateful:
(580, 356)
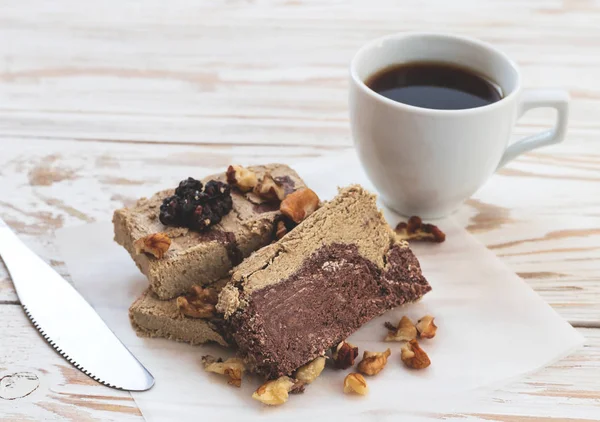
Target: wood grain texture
(565, 389)
(252, 71)
(63, 393)
(103, 103)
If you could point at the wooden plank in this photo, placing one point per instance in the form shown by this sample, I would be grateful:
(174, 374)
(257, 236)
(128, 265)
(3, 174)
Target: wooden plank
(272, 73)
(255, 72)
(540, 216)
(45, 386)
(565, 389)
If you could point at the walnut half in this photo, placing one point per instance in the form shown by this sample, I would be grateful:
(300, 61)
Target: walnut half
(414, 229)
(299, 204)
(426, 327)
(373, 362)
(405, 331)
(242, 178)
(270, 189)
(309, 372)
(276, 392)
(233, 368)
(355, 383)
(156, 244)
(199, 302)
(413, 356)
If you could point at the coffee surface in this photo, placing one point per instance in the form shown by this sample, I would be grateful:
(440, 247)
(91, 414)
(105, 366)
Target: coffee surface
(432, 85)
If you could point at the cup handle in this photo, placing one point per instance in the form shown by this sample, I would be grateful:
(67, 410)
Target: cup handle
(535, 98)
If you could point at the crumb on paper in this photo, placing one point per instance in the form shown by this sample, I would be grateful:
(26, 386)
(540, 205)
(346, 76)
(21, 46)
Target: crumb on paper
(344, 354)
(373, 363)
(415, 229)
(405, 331)
(275, 392)
(355, 383)
(413, 356)
(426, 327)
(233, 368)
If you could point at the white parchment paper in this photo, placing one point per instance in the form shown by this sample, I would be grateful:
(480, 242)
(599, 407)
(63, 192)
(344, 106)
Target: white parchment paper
(492, 328)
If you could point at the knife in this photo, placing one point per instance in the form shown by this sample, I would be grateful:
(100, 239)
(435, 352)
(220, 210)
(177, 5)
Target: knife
(67, 321)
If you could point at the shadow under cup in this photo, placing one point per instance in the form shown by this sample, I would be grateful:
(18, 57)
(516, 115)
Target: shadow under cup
(424, 161)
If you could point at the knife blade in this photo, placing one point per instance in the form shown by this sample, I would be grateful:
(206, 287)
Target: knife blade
(69, 324)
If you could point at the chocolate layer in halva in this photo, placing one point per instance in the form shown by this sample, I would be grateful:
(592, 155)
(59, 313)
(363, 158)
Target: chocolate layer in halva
(291, 301)
(202, 258)
(333, 294)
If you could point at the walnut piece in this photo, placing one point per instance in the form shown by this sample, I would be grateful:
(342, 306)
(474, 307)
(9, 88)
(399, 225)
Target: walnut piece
(405, 331)
(355, 383)
(426, 327)
(416, 230)
(156, 244)
(242, 178)
(233, 368)
(270, 189)
(199, 302)
(281, 230)
(413, 356)
(274, 393)
(344, 354)
(299, 204)
(373, 362)
(309, 372)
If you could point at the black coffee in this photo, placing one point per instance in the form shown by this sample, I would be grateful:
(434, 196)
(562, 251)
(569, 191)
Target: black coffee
(434, 85)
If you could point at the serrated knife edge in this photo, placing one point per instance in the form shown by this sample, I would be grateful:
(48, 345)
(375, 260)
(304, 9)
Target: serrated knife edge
(67, 322)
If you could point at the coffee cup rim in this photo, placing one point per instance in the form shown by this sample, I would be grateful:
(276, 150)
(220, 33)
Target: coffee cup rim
(407, 107)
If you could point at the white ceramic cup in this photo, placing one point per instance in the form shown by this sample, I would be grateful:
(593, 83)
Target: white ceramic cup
(426, 162)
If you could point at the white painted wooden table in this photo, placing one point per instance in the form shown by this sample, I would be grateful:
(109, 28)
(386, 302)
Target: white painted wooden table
(103, 102)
